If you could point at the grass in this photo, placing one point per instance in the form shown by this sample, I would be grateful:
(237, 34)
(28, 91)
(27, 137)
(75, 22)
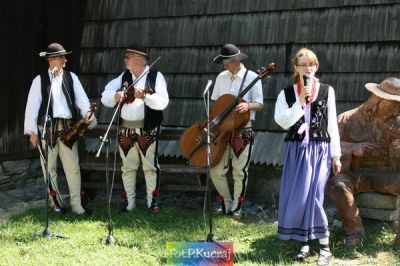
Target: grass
(142, 238)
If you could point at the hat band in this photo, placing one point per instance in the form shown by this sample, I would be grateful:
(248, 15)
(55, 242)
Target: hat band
(390, 93)
(136, 51)
(63, 51)
(230, 55)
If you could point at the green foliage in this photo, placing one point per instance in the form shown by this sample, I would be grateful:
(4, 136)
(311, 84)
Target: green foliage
(142, 238)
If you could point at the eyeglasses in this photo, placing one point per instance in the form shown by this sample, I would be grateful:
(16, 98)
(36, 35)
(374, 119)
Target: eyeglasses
(305, 65)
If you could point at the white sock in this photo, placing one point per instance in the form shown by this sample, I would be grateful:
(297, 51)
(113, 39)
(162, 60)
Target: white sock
(324, 241)
(305, 248)
(324, 247)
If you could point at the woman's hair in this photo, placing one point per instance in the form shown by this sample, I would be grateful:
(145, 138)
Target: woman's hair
(295, 61)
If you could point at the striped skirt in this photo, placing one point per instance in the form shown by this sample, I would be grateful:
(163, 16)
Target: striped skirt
(301, 214)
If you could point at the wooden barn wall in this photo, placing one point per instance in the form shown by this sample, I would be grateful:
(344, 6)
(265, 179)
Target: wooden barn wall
(356, 42)
(27, 28)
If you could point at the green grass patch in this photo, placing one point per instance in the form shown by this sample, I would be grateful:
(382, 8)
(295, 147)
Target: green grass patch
(142, 238)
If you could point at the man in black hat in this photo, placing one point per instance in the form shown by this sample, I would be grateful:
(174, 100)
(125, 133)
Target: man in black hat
(232, 81)
(141, 119)
(67, 96)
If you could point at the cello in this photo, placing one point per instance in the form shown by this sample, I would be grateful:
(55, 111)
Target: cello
(224, 120)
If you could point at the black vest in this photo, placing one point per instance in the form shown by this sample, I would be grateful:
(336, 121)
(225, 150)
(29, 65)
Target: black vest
(318, 117)
(152, 118)
(67, 89)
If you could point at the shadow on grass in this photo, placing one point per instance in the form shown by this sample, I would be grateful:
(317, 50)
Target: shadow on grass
(379, 240)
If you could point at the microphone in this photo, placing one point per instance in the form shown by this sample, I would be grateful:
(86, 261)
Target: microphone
(305, 81)
(209, 82)
(125, 85)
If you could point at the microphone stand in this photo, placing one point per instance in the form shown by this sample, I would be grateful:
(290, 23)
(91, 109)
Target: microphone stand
(210, 236)
(47, 232)
(110, 239)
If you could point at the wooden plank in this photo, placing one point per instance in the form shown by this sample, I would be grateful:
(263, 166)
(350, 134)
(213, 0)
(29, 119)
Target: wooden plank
(165, 168)
(325, 25)
(182, 169)
(119, 186)
(102, 185)
(19, 155)
(184, 187)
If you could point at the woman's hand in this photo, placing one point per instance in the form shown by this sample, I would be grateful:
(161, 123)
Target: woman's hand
(305, 92)
(336, 165)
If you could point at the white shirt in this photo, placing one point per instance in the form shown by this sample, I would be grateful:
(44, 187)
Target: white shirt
(224, 85)
(60, 106)
(287, 117)
(135, 111)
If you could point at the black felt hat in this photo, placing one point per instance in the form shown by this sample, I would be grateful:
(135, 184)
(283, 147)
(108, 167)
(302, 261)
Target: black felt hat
(138, 49)
(54, 49)
(229, 53)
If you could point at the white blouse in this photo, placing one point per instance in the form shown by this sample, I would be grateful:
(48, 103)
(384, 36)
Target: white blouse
(287, 117)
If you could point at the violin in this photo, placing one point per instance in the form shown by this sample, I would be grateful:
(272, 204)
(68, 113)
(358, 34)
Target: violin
(130, 94)
(74, 133)
(224, 121)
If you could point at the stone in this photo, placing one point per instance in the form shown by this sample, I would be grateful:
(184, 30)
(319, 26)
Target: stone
(16, 167)
(17, 207)
(380, 214)
(3, 178)
(336, 224)
(377, 200)
(330, 214)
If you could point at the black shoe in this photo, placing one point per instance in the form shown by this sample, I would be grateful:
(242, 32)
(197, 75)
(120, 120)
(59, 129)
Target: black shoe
(58, 210)
(88, 212)
(154, 208)
(218, 211)
(237, 215)
(301, 256)
(126, 208)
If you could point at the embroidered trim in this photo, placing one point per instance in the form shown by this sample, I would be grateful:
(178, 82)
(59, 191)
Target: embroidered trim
(128, 137)
(240, 141)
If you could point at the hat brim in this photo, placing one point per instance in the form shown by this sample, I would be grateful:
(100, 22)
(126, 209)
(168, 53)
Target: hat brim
(46, 55)
(226, 60)
(374, 88)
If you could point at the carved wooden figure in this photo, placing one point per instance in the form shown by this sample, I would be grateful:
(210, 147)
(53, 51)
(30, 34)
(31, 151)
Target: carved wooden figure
(370, 140)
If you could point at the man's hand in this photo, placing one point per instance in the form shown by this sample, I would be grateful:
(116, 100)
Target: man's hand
(88, 118)
(33, 139)
(118, 96)
(139, 93)
(242, 107)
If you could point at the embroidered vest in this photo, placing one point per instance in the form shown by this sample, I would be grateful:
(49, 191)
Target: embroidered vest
(67, 89)
(318, 116)
(152, 118)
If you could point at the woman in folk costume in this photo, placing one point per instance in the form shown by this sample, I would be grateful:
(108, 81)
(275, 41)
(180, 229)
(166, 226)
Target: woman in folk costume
(308, 111)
